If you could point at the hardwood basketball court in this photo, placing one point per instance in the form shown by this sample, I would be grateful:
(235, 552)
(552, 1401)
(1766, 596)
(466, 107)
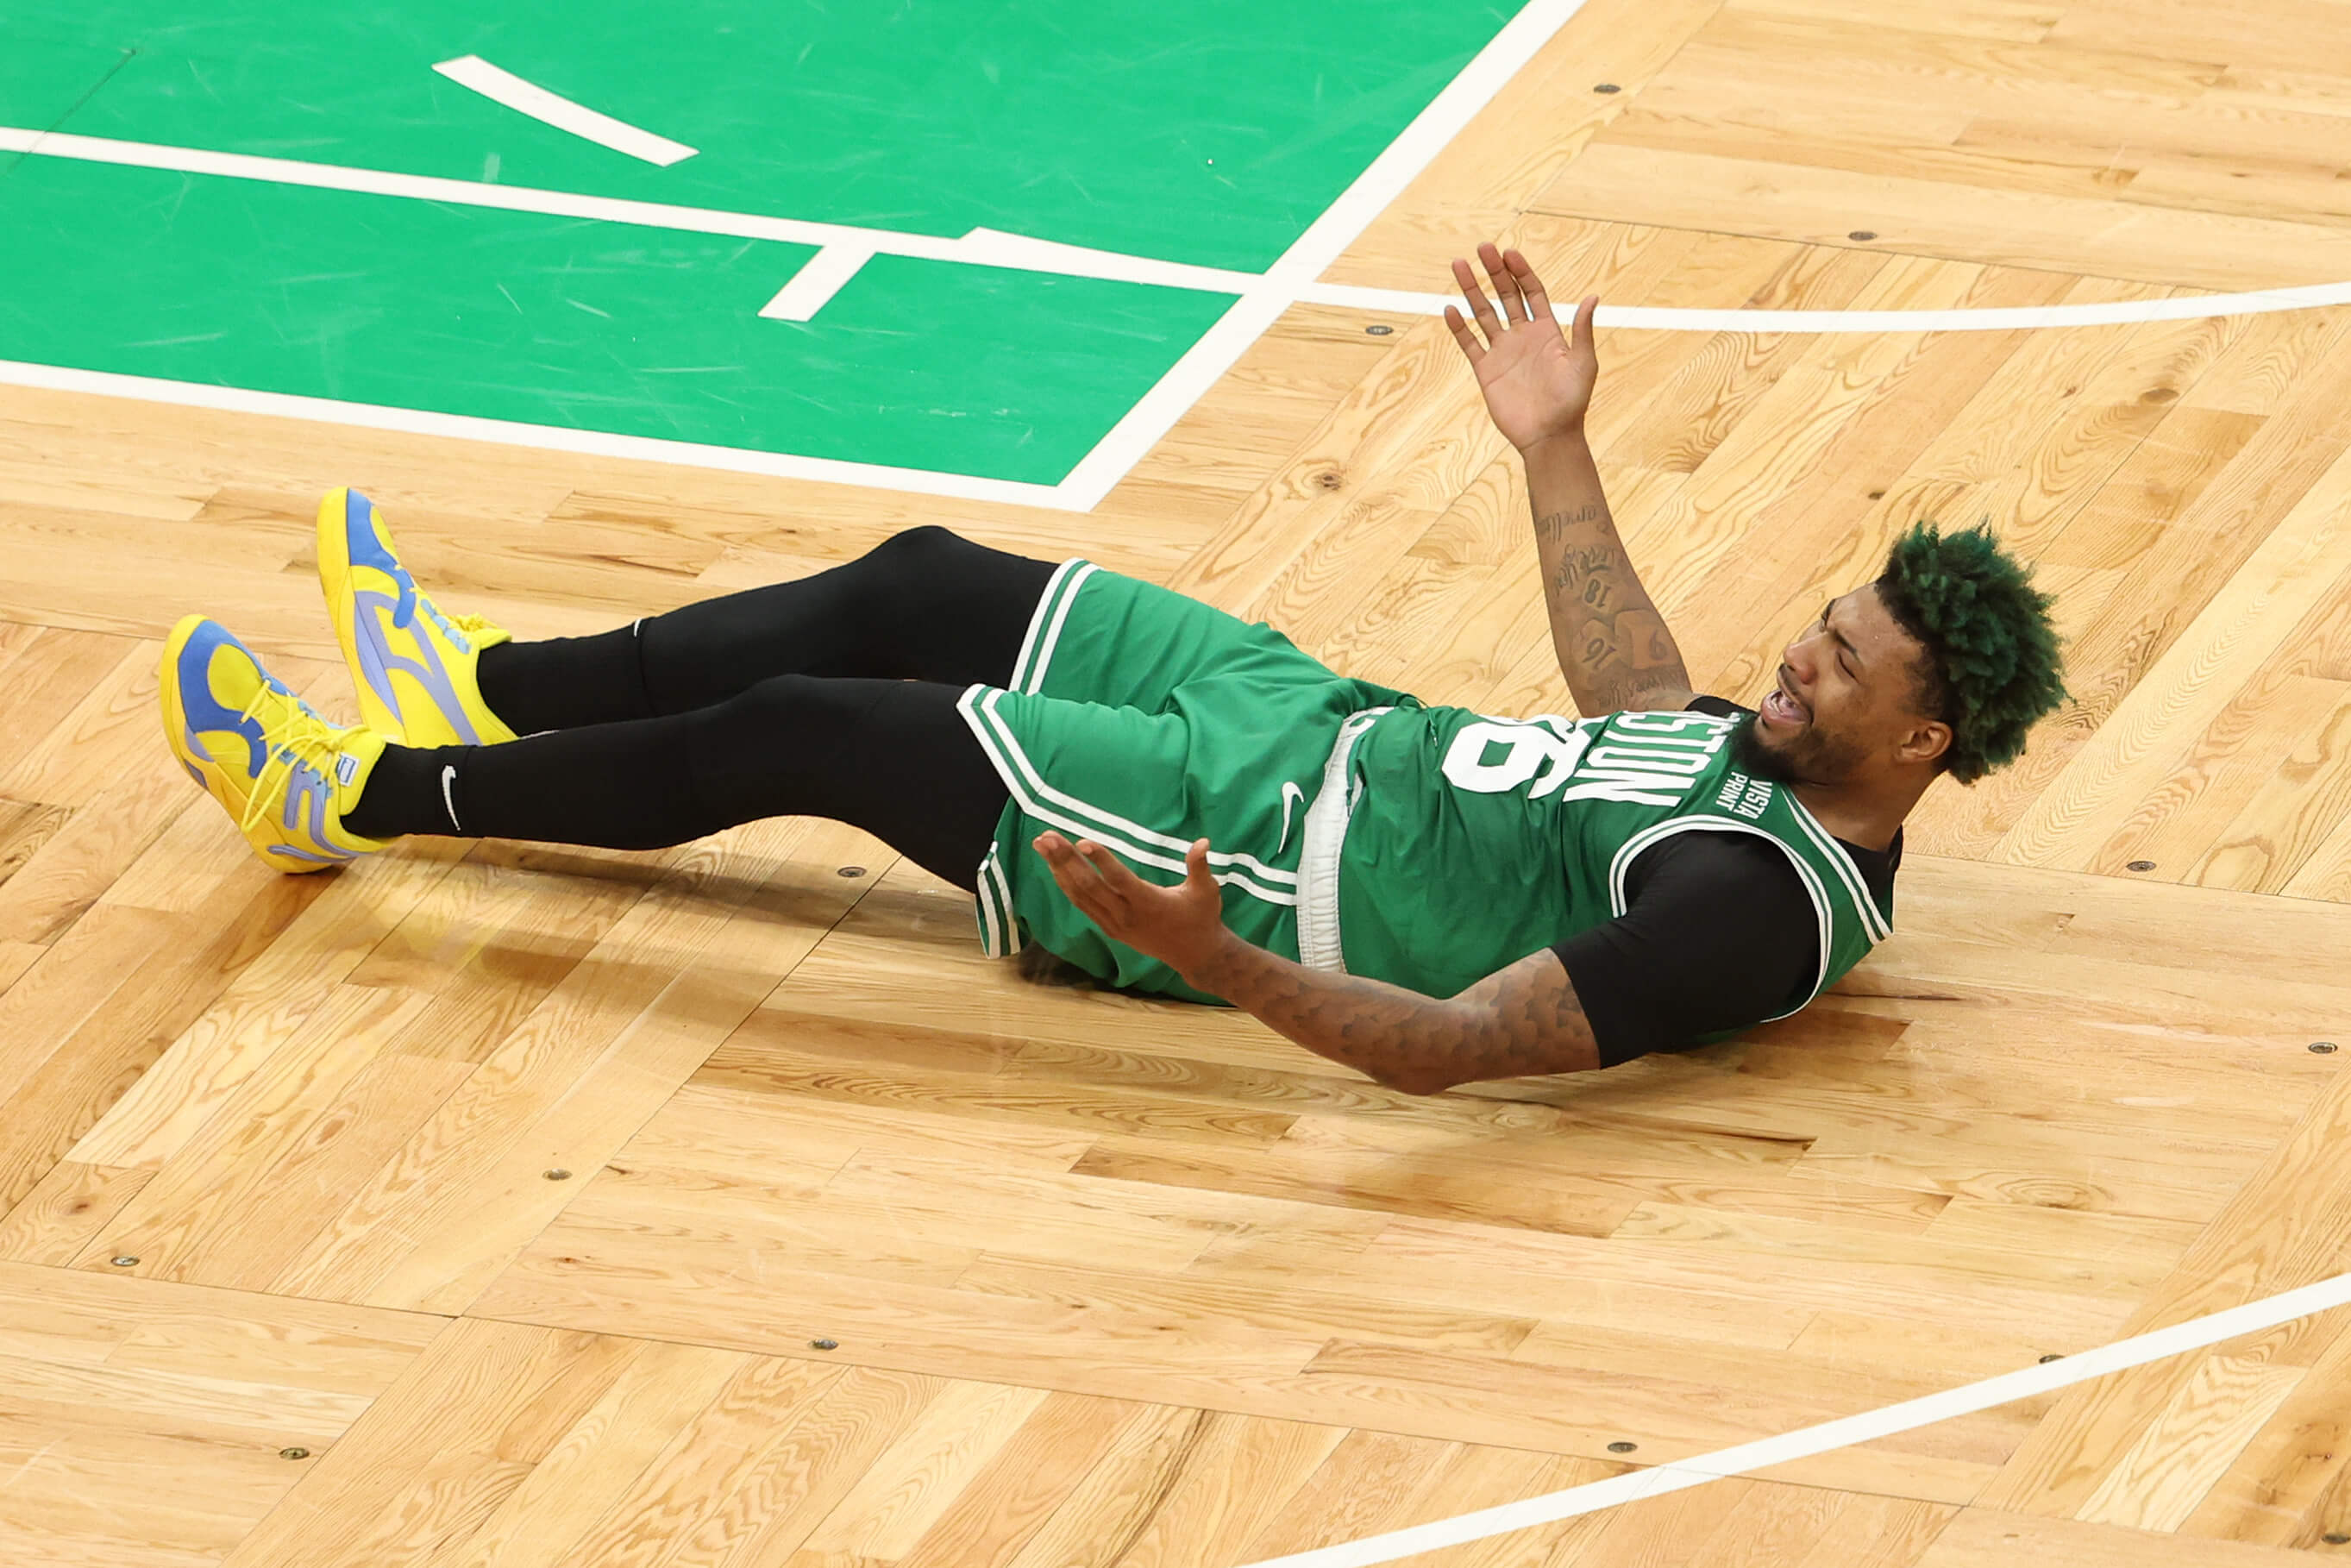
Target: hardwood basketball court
(494, 1204)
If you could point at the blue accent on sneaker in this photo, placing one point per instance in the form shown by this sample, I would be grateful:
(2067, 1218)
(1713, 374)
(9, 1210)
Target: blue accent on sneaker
(377, 663)
(376, 647)
(359, 539)
(365, 547)
(284, 774)
(202, 709)
(308, 805)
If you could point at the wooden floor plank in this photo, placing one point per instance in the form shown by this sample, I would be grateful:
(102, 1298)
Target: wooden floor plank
(1982, 1537)
(152, 1424)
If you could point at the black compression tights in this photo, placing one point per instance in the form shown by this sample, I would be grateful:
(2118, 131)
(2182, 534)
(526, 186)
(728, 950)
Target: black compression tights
(830, 696)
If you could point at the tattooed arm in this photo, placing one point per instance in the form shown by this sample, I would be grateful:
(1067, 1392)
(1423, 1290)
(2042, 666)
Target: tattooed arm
(1518, 1022)
(1522, 1020)
(1612, 644)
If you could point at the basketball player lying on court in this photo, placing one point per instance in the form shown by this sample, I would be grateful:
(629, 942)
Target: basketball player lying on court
(1179, 803)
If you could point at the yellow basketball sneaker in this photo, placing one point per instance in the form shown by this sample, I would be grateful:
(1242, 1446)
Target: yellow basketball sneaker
(286, 775)
(412, 664)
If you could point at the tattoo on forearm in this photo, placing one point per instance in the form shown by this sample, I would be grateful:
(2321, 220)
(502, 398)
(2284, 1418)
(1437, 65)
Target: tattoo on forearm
(1553, 525)
(1632, 642)
(1588, 571)
(1523, 1022)
(1612, 645)
(1604, 617)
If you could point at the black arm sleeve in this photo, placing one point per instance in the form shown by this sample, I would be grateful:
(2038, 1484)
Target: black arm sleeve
(1718, 933)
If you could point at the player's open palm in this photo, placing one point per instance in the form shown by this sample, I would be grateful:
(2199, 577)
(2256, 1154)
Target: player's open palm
(1178, 925)
(1537, 380)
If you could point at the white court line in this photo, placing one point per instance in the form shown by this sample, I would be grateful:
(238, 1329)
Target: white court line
(1117, 453)
(980, 247)
(1990, 319)
(814, 285)
(1017, 253)
(513, 433)
(1804, 1443)
(553, 108)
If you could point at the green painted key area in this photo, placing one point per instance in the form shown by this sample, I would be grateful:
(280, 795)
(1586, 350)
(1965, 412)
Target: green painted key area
(1213, 133)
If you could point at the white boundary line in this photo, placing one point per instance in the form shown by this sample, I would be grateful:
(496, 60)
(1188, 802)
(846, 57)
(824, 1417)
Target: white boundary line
(503, 87)
(1723, 1463)
(1312, 251)
(511, 432)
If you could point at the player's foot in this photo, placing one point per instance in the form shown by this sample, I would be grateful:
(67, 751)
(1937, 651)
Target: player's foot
(286, 775)
(413, 665)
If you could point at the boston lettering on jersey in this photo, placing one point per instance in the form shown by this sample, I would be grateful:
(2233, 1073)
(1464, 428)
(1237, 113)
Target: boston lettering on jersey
(1638, 764)
(1476, 840)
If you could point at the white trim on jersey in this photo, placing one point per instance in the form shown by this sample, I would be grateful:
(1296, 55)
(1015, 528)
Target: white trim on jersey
(1657, 832)
(1026, 787)
(1871, 920)
(1012, 942)
(1045, 623)
(1060, 619)
(1319, 942)
(983, 908)
(1000, 931)
(1238, 861)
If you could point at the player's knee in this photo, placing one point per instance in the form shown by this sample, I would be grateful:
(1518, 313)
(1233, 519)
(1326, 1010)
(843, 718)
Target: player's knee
(780, 734)
(924, 549)
(765, 726)
(908, 581)
(778, 704)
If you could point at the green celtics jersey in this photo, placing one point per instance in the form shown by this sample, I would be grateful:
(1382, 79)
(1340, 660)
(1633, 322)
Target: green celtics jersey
(1456, 843)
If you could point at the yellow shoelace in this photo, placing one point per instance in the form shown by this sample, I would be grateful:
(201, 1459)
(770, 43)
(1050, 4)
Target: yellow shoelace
(472, 625)
(297, 731)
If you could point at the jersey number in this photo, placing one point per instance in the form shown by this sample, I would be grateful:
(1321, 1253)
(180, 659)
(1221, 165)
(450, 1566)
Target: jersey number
(1495, 756)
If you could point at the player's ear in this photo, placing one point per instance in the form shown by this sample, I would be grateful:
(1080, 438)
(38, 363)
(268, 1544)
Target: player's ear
(1928, 741)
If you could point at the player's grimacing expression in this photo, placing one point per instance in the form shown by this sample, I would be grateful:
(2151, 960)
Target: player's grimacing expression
(1846, 698)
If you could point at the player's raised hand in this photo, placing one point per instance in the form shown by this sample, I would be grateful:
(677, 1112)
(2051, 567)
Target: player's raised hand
(1178, 925)
(1537, 380)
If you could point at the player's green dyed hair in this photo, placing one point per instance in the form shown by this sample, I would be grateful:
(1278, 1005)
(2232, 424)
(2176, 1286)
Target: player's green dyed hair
(1991, 666)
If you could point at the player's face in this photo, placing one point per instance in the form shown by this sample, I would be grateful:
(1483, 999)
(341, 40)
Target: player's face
(1845, 700)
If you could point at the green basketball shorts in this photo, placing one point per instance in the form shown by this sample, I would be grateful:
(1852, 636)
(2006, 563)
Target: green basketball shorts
(1142, 720)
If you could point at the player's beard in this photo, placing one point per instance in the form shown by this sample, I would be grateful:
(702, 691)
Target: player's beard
(1807, 757)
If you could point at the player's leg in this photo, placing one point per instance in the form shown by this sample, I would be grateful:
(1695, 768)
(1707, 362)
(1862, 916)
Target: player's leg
(923, 605)
(893, 757)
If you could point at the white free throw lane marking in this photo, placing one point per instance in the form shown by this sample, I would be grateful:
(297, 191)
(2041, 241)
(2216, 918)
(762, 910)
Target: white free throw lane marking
(552, 108)
(1747, 1457)
(814, 285)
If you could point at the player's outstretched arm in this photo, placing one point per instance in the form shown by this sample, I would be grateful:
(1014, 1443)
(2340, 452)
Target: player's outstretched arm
(1612, 645)
(1522, 1021)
